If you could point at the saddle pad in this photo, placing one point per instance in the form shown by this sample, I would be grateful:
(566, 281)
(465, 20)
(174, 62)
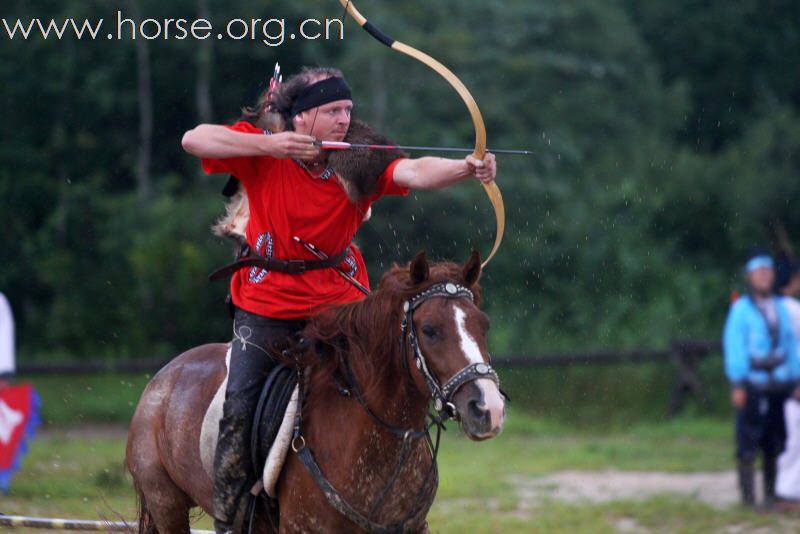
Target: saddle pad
(280, 447)
(275, 395)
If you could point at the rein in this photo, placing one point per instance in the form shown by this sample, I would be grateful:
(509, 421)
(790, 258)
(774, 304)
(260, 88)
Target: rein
(337, 500)
(445, 409)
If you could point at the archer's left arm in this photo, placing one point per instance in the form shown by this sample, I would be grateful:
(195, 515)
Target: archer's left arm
(436, 173)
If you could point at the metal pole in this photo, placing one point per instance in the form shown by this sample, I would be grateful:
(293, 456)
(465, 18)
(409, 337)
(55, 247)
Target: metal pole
(18, 521)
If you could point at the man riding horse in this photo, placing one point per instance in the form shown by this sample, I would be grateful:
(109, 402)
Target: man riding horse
(292, 197)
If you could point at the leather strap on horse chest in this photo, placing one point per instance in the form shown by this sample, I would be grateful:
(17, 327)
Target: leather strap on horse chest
(339, 503)
(336, 500)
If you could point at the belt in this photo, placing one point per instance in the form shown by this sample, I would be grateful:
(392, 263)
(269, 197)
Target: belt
(278, 265)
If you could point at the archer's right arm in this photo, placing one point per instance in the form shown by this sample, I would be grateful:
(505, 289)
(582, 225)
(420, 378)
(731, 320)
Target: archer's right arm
(213, 141)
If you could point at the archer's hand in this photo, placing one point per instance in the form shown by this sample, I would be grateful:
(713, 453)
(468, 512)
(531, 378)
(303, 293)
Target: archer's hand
(739, 397)
(293, 145)
(485, 170)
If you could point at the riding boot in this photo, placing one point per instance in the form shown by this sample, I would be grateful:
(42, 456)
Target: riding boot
(770, 473)
(256, 340)
(747, 482)
(233, 477)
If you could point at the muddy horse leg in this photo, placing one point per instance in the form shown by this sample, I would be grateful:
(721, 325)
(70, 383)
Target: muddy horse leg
(163, 508)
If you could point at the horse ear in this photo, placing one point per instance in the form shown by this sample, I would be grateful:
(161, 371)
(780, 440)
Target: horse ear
(472, 269)
(419, 268)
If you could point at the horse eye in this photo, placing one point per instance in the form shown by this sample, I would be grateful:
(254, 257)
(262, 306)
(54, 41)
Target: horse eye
(430, 331)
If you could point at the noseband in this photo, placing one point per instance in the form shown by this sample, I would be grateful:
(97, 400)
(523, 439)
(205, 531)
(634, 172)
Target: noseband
(442, 395)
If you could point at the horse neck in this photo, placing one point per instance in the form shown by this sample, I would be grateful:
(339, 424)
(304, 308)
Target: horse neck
(366, 336)
(356, 439)
(388, 388)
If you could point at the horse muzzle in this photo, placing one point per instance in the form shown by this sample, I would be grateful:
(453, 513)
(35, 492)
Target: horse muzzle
(481, 409)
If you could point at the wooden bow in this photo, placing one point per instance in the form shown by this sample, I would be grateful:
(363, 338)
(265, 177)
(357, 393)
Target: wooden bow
(492, 191)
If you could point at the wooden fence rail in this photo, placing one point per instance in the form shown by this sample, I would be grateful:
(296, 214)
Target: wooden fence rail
(685, 355)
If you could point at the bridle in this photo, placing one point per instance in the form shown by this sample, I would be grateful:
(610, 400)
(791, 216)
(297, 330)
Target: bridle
(443, 403)
(442, 395)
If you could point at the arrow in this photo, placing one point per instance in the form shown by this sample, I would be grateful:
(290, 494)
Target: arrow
(321, 255)
(341, 145)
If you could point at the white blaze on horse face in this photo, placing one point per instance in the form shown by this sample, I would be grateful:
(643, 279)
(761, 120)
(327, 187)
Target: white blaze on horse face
(492, 399)
(469, 346)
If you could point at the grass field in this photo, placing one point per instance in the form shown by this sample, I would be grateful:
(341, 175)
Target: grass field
(74, 468)
(78, 473)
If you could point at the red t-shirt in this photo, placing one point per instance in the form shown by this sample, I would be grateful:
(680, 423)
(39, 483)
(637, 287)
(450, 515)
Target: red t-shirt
(286, 201)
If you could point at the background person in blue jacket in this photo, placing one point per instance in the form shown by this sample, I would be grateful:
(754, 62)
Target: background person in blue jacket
(761, 362)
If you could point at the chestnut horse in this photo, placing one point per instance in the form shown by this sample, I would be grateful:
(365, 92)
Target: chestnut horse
(362, 460)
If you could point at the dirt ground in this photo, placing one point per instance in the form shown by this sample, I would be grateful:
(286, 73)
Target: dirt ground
(719, 490)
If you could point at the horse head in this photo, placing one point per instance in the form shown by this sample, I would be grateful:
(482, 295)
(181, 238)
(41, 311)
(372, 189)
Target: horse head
(447, 337)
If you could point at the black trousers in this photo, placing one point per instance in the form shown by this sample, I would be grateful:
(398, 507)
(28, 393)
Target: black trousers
(760, 425)
(257, 341)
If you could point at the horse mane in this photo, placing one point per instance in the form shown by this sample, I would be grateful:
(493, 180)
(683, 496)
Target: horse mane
(367, 333)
